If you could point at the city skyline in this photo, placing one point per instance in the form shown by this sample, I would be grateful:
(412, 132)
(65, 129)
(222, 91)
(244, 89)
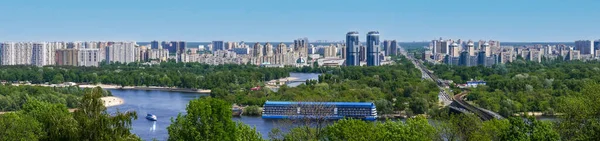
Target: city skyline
(234, 20)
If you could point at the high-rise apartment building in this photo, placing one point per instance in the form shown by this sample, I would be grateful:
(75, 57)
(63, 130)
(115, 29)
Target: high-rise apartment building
(231, 45)
(301, 46)
(257, 50)
(394, 48)
(444, 46)
(123, 52)
(88, 57)
(373, 45)
(585, 47)
(435, 46)
(454, 50)
(352, 49)
(387, 47)
(281, 49)
(158, 54)
(362, 54)
(67, 57)
(471, 48)
(597, 45)
(268, 49)
(40, 55)
(390, 47)
(330, 51)
(24, 53)
(487, 49)
(218, 45)
(343, 51)
(8, 52)
(165, 45)
(154, 45)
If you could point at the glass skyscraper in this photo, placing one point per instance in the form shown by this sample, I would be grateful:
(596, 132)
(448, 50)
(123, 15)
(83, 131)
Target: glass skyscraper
(217, 45)
(373, 44)
(352, 49)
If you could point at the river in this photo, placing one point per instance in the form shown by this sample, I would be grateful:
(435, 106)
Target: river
(166, 105)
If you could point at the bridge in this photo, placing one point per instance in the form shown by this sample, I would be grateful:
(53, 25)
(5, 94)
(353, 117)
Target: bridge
(457, 102)
(484, 114)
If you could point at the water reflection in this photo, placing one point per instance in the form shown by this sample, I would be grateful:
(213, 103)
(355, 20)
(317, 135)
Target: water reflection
(153, 126)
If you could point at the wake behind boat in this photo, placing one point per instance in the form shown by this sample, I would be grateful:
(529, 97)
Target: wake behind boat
(151, 117)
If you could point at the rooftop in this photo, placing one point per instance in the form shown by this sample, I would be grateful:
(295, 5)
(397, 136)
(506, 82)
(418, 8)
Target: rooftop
(320, 103)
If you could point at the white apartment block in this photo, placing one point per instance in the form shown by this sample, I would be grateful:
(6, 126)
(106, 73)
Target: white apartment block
(40, 55)
(52, 47)
(158, 54)
(8, 53)
(89, 57)
(123, 52)
(24, 53)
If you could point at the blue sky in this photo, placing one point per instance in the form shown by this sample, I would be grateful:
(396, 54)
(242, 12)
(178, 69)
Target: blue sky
(285, 20)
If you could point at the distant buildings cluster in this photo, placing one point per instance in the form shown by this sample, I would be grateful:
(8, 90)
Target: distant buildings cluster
(488, 53)
(65, 53)
(355, 53)
(299, 53)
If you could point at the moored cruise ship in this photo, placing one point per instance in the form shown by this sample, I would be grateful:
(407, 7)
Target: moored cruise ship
(319, 110)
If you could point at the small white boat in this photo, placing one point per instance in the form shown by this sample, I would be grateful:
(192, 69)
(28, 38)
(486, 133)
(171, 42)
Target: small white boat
(151, 117)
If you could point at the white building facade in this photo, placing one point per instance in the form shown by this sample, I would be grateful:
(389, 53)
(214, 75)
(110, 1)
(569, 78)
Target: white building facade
(89, 57)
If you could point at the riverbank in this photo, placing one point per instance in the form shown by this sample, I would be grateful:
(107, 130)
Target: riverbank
(537, 114)
(148, 88)
(108, 101)
(107, 86)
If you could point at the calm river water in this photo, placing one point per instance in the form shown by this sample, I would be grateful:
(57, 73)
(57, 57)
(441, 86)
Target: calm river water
(166, 105)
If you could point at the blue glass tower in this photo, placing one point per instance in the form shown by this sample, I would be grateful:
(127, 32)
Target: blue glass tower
(217, 45)
(181, 47)
(373, 48)
(154, 44)
(352, 49)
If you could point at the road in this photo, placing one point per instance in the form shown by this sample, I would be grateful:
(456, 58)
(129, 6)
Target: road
(443, 96)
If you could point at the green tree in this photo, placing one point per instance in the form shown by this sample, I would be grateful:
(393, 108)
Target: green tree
(15, 126)
(208, 119)
(419, 105)
(247, 133)
(95, 124)
(252, 111)
(58, 79)
(57, 122)
(384, 106)
(352, 130)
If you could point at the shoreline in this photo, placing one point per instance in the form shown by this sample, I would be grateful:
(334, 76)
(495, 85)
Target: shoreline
(109, 101)
(149, 88)
(537, 114)
(117, 87)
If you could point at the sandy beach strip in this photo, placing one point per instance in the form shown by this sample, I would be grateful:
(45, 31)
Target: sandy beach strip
(110, 101)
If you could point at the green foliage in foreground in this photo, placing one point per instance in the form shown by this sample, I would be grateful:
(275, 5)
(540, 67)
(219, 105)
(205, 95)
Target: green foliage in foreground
(414, 129)
(470, 127)
(209, 119)
(47, 121)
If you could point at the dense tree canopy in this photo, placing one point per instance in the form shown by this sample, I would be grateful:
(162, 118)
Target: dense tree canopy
(394, 87)
(524, 86)
(168, 74)
(39, 120)
(12, 98)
